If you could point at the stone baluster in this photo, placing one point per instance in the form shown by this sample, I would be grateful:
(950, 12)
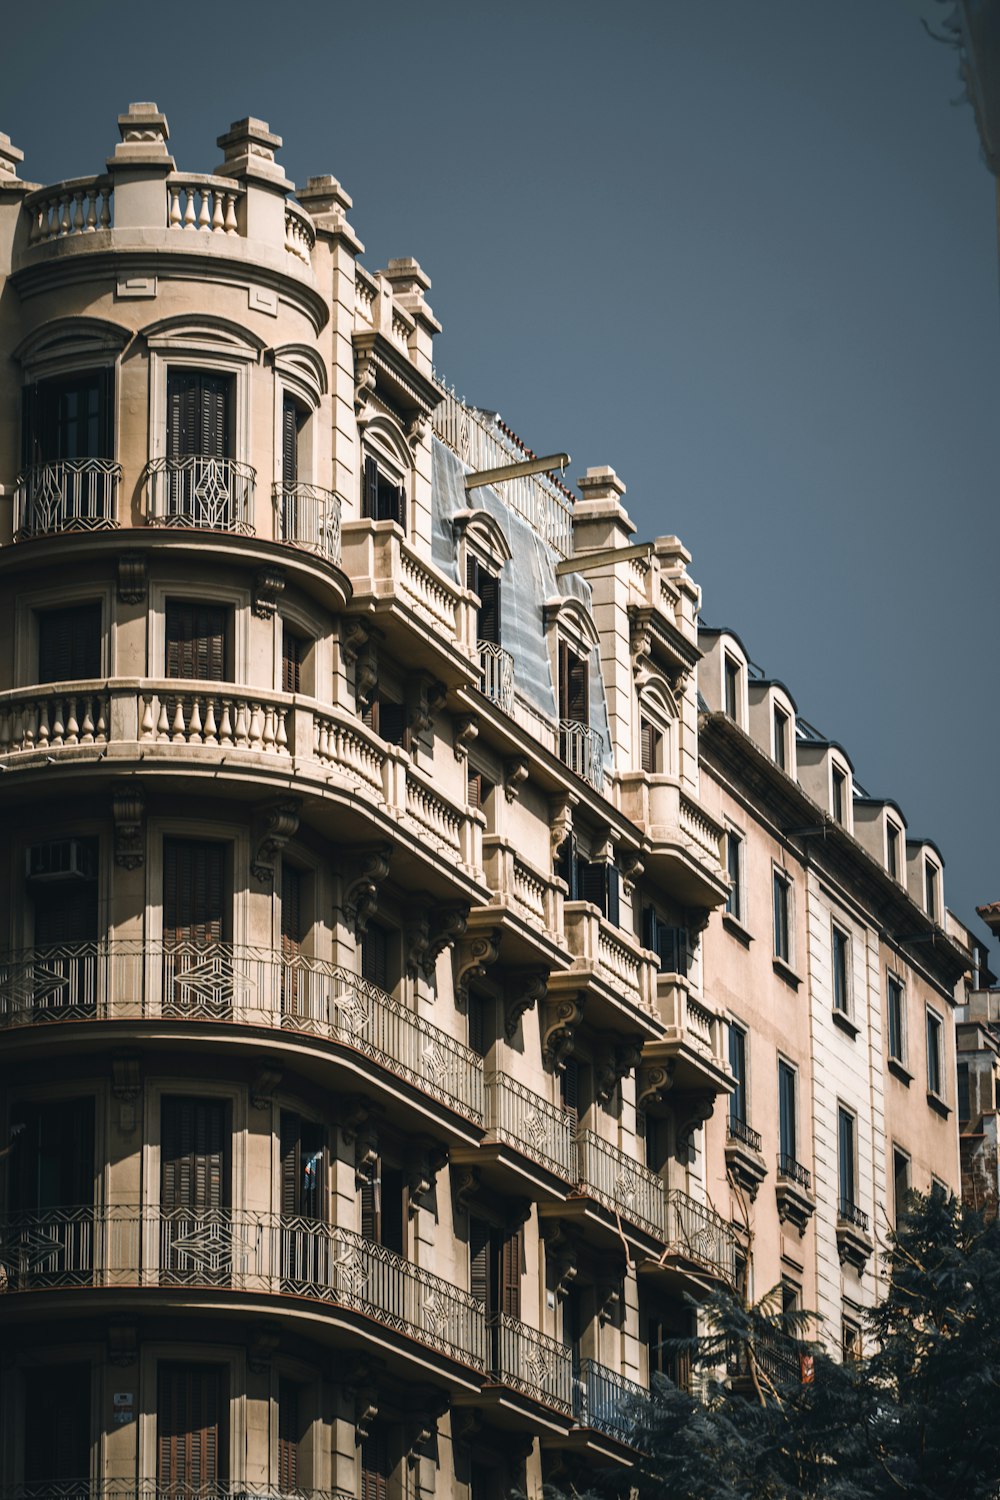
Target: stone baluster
(226, 725)
(174, 210)
(189, 216)
(230, 218)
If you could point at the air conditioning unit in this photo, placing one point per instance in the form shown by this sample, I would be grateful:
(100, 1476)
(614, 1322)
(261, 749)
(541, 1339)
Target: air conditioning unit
(60, 860)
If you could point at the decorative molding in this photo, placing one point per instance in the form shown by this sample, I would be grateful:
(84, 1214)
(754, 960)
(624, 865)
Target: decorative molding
(355, 1112)
(275, 825)
(265, 1083)
(653, 1081)
(692, 1112)
(448, 924)
(515, 774)
(360, 898)
(796, 1206)
(126, 1087)
(560, 821)
(416, 941)
(613, 1062)
(473, 956)
(424, 1161)
(354, 634)
(364, 379)
(560, 1020)
(560, 1256)
(632, 870)
(365, 1152)
(268, 585)
(466, 731)
(131, 578)
(524, 989)
(417, 429)
(127, 808)
(853, 1246)
(745, 1166)
(422, 1424)
(466, 1187)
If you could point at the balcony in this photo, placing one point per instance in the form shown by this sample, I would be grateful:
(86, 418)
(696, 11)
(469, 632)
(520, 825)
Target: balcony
(527, 1361)
(793, 1189)
(628, 1191)
(685, 842)
(308, 516)
(582, 749)
(519, 1119)
(694, 1042)
(497, 667)
(201, 493)
(697, 1236)
(78, 494)
(242, 987)
(125, 1247)
(854, 1244)
(607, 1402)
(775, 1355)
(150, 1489)
(618, 974)
(744, 1162)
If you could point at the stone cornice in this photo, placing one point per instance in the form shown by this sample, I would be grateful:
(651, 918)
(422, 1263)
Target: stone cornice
(398, 379)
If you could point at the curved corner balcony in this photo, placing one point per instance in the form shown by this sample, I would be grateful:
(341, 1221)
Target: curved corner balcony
(75, 494)
(244, 987)
(262, 1253)
(497, 667)
(308, 516)
(582, 749)
(211, 494)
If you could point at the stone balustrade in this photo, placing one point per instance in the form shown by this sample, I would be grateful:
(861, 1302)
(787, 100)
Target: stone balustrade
(198, 202)
(82, 205)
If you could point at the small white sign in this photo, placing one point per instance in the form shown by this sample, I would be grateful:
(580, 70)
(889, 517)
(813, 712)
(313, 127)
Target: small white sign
(124, 1398)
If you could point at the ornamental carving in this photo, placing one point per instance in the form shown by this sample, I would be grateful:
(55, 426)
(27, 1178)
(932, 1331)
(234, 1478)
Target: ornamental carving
(127, 809)
(264, 1084)
(613, 1062)
(473, 956)
(361, 891)
(466, 731)
(268, 586)
(447, 924)
(275, 826)
(131, 578)
(560, 1257)
(353, 635)
(692, 1112)
(560, 1020)
(560, 822)
(525, 988)
(424, 1161)
(653, 1081)
(515, 774)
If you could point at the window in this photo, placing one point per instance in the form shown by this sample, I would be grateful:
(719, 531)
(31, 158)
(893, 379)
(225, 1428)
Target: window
(496, 1258)
(481, 1027)
(892, 837)
(375, 956)
(964, 1096)
(934, 1031)
(900, 1182)
(669, 943)
(292, 421)
(293, 651)
(851, 1343)
(57, 1452)
(62, 883)
(731, 678)
(569, 1091)
(840, 953)
(839, 780)
(376, 1468)
(738, 1064)
(194, 892)
(383, 497)
(650, 748)
(487, 585)
(383, 1210)
(199, 407)
(194, 1166)
(780, 738)
(292, 933)
(53, 1166)
(931, 889)
(303, 1167)
(787, 1129)
(896, 1019)
(734, 868)
(782, 908)
(593, 880)
(69, 418)
(480, 788)
(574, 686)
(388, 720)
(69, 643)
(191, 1440)
(846, 1129)
(290, 1433)
(197, 638)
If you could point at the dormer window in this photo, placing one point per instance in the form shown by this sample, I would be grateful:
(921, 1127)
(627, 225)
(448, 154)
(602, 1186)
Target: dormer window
(931, 889)
(384, 496)
(839, 795)
(892, 842)
(732, 684)
(487, 585)
(780, 731)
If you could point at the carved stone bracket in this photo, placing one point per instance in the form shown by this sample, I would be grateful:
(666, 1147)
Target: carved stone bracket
(354, 635)
(355, 1111)
(640, 642)
(632, 870)
(131, 577)
(447, 925)
(365, 1152)
(608, 1291)
(424, 1161)
(466, 1185)
(466, 731)
(416, 940)
(560, 1020)
(365, 1411)
(473, 956)
(417, 429)
(361, 891)
(525, 988)
(560, 822)
(653, 1082)
(364, 379)
(515, 774)
(265, 1083)
(263, 1347)
(560, 1257)
(268, 586)
(692, 1112)
(613, 1062)
(126, 1086)
(424, 696)
(275, 826)
(127, 808)
(421, 1428)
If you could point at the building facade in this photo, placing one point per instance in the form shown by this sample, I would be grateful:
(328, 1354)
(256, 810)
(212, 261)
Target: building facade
(407, 913)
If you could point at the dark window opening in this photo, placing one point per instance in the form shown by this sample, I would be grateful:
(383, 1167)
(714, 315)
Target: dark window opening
(71, 418)
(839, 795)
(781, 739)
(787, 1130)
(195, 909)
(382, 498)
(191, 1428)
(732, 687)
(895, 1007)
(594, 880)
(69, 643)
(388, 720)
(375, 954)
(900, 1182)
(293, 650)
(52, 1165)
(738, 1064)
(841, 957)
(292, 421)
(845, 1159)
(197, 636)
(734, 853)
(383, 1206)
(62, 880)
(669, 943)
(57, 1426)
(782, 939)
(496, 1261)
(199, 423)
(376, 1468)
(574, 686)
(303, 1168)
(650, 748)
(487, 585)
(291, 1430)
(194, 1157)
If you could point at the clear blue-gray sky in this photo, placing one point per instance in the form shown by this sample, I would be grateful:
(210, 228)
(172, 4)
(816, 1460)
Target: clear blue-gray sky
(745, 253)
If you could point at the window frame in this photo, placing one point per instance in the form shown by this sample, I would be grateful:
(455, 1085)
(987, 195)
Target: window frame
(786, 1068)
(932, 888)
(782, 882)
(735, 907)
(895, 985)
(781, 722)
(934, 1026)
(841, 967)
(741, 1091)
(898, 1154)
(847, 1167)
(894, 843)
(732, 687)
(211, 346)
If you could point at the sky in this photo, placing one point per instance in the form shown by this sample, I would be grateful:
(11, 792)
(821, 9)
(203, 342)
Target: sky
(745, 253)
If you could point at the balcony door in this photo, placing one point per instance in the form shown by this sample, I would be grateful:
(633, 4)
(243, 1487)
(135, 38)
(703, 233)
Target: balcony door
(197, 977)
(51, 1175)
(57, 1428)
(191, 1438)
(69, 419)
(304, 1246)
(194, 1190)
(199, 441)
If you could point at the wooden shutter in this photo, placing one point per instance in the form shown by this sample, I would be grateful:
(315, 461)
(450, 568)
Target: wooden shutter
(289, 1435)
(292, 930)
(569, 1088)
(57, 1424)
(369, 498)
(574, 686)
(66, 914)
(600, 885)
(194, 877)
(511, 1262)
(371, 1193)
(196, 640)
(649, 741)
(198, 414)
(190, 1427)
(472, 574)
(53, 1166)
(292, 650)
(479, 1261)
(489, 609)
(375, 956)
(375, 1466)
(568, 867)
(193, 1155)
(69, 643)
(289, 441)
(392, 723)
(291, 1164)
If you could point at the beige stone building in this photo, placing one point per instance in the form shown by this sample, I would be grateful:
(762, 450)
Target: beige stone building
(400, 955)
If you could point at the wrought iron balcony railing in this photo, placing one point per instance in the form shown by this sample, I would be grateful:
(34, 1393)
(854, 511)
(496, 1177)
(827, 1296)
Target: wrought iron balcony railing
(497, 666)
(582, 749)
(247, 1252)
(518, 1117)
(849, 1213)
(212, 494)
(620, 1183)
(220, 982)
(530, 1362)
(79, 494)
(776, 1355)
(151, 1489)
(739, 1130)
(789, 1167)
(606, 1401)
(308, 516)
(700, 1234)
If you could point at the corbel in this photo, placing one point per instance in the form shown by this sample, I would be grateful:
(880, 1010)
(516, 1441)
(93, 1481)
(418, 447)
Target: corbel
(560, 1256)
(268, 586)
(416, 429)
(365, 1152)
(515, 774)
(360, 897)
(123, 1344)
(354, 634)
(447, 925)
(473, 956)
(653, 1081)
(264, 1084)
(421, 1427)
(616, 1061)
(127, 808)
(560, 1020)
(131, 578)
(365, 1411)
(524, 989)
(640, 643)
(275, 825)
(416, 941)
(425, 1160)
(518, 1213)
(692, 1113)
(364, 379)
(465, 1186)
(126, 1086)
(467, 1425)
(424, 696)
(262, 1349)
(632, 870)
(366, 669)
(560, 821)
(608, 1290)
(355, 1111)
(466, 732)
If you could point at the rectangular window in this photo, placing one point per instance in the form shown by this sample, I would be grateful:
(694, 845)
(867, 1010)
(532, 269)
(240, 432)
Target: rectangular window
(782, 904)
(198, 414)
(846, 1160)
(599, 884)
(69, 643)
(852, 1346)
(195, 909)
(62, 881)
(896, 1019)
(787, 1131)
(900, 1182)
(375, 1466)
(734, 868)
(487, 585)
(67, 419)
(375, 947)
(194, 1155)
(732, 687)
(292, 419)
(383, 1212)
(191, 1428)
(781, 738)
(383, 499)
(840, 952)
(574, 686)
(196, 640)
(293, 649)
(931, 889)
(934, 1031)
(57, 1427)
(290, 1432)
(670, 944)
(840, 796)
(303, 1167)
(738, 1064)
(964, 1097)
(650, 748)
(53, 1164)
(892, 850)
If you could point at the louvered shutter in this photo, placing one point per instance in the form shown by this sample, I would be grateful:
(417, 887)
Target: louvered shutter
(392, 723)
(568, 867)
(106, 414)
(569, 1087)
(57, 1425)
(69, 643)
(291, 662)
(479, 1262)
(489, 609)
(474, 784)
(375, 1466)
(182, 412)
(399, 505)
(472, 574)
(289, 1430)
(370, 494)
(564, 670)
(647, 756)
(511, 1262)
(371, 1192)
(673, 949)
(189, 1422)
(370, 715)
(375, 956)
(196, 640)
(578, 689)
(215, 416)
(66, 914)
(193, 1167)
(599, 884)
(291, 1164)
(613, 910)
(289, 441)
(193, 891)
(291, 935)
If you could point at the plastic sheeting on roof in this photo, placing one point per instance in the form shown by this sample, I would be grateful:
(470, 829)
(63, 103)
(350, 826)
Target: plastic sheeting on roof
(528, 580)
